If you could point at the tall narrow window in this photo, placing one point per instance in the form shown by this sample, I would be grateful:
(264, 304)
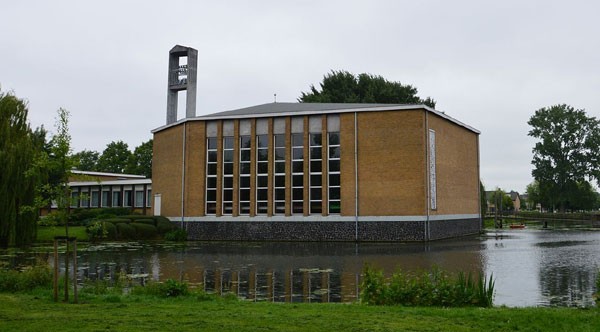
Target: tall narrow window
(245, 153)
(139, 198)
(298, 173)
(149, 197)
(316, 173)
(116, 198)
(105, 197)
(432, 170)
(127, 198)
(279, 174)
(74, 198)
(262, 173)
(85, 198)
(227, 175)
(211, 176)
(95, 197)
(333, 170)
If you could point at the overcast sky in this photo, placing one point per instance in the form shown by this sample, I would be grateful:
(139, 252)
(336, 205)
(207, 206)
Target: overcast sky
(489, 64)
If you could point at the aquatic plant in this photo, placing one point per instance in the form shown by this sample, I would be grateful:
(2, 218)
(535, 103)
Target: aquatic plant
(38, 275)
(429, 288)
(169, 288)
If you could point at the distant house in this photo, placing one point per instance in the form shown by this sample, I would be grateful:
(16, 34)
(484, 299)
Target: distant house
(102, 190)
(514, 196)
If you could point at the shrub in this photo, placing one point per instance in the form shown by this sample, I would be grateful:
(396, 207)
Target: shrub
(145, 221)
(117, 220)
(178, 235)
(169, 288)
(164, 227)
(433, 288)
(160, 219)
(111, 230)
(96, 230)
(144, 231)
(39, 275)
(133, 217)
(125, 231)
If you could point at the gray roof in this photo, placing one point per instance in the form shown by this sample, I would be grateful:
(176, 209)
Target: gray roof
(288, 109)
(272, 108)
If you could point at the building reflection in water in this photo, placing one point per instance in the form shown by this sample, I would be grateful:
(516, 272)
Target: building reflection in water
(279, 272)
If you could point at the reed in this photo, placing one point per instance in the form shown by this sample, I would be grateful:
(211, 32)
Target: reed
(428, 288)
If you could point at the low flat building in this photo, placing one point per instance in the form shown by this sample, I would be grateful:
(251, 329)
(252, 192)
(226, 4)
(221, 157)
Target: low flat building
(92, 190)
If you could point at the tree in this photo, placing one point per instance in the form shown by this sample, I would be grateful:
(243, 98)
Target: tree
(501, 200)
(20, 176)
(140, 161)
(114, 157)
(482, 200)
(86, 160)
(567, 153)
(343, 87)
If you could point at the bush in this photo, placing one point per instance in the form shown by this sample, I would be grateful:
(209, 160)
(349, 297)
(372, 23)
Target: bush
(125, 231)
(118, 220)
(111, 230)
(96, 230)
(169, 288)
(433, 288)
(164, 227)
(144, 231)
(145, 221)
(178, 235)
(39, 275)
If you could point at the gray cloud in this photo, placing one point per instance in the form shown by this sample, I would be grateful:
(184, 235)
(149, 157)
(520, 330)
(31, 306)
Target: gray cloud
(490, 64)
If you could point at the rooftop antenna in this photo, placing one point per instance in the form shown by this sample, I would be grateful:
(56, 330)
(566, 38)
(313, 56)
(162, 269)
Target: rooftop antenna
(275, 97)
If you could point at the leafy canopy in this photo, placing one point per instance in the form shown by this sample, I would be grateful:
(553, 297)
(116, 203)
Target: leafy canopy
(344, 87)
(114, 158)
(20, 172)
(567, 153)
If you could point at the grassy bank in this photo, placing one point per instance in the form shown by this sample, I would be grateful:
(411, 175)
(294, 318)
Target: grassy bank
(28, 312)
(47, 233)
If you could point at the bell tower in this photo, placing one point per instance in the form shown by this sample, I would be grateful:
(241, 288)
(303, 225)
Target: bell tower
(183, 67)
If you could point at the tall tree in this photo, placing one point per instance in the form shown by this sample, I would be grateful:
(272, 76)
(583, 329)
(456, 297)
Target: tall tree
(344, 87)
(567, 153)
(140, 161)
(86, 160)
(114, 157)
(20, 148)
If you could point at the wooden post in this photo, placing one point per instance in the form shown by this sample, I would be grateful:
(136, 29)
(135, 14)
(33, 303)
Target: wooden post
(75, 270)
(55, 279)
(67, 272)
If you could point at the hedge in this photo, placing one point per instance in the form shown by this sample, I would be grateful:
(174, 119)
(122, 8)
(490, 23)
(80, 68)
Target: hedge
(125, 231)
(144, 231)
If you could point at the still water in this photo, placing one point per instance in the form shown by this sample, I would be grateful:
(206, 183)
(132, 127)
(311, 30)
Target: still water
(530, 267)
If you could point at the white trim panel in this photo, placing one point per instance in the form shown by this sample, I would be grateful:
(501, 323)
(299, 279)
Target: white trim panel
(325, 218)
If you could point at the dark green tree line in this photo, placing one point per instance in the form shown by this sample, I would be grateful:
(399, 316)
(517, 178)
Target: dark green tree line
(116, 158)
(567, 154)
(20, 172)
(344, 87)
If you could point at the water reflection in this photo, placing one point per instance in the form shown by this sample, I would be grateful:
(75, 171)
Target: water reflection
(531, 267)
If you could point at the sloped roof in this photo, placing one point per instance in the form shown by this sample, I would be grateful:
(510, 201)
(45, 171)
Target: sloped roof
(289, 109)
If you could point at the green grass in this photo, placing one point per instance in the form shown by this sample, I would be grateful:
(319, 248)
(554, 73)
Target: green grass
(47, 233)
(36, 312)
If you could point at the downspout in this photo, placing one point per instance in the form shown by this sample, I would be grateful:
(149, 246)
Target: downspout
(427, 177)
(183, 174)
(479, 188)
(355, 180)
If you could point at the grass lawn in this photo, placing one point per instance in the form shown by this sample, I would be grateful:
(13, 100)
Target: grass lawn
(47, 233)
(29, 312)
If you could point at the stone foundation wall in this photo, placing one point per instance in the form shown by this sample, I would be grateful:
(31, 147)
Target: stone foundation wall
(372, 231)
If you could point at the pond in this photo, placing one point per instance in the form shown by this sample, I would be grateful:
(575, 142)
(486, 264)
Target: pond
(531, 267)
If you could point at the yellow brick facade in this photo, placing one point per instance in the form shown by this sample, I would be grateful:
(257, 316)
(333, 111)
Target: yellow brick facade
(391, 167)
